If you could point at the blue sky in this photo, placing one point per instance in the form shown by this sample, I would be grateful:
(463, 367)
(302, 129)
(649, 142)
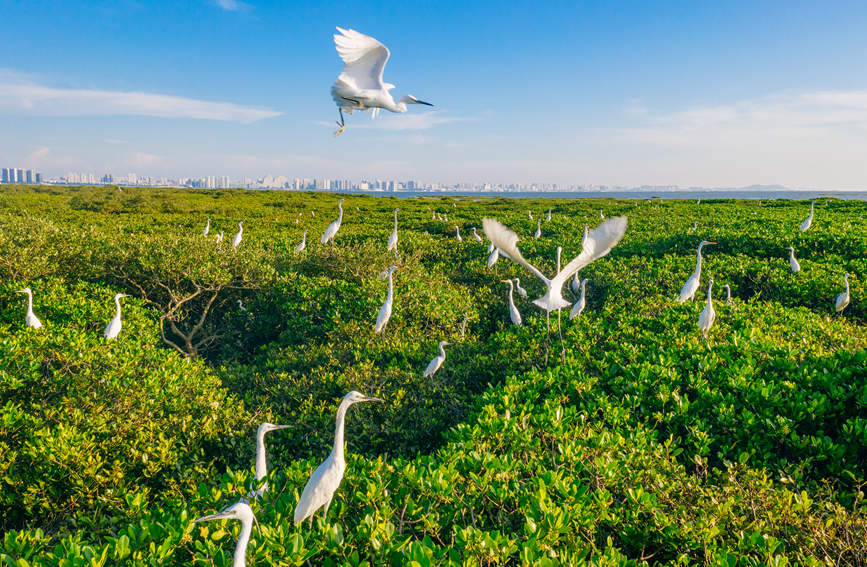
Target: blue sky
(689, 93)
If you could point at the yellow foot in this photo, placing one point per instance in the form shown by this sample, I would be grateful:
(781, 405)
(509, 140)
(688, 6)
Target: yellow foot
(340, 130)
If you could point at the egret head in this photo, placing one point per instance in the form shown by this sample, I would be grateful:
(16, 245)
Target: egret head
(709, 285)
(510, 282)
(25, 290)
(584, 282)
(240, 223)
(340, 202)
(705, 243)
(409, 99)
(354, 397)
(240, 510)
(266, 427)
(120, 296)
(444, 344)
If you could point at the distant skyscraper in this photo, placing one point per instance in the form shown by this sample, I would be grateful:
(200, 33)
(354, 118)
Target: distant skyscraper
(38, 177)
(5, 176)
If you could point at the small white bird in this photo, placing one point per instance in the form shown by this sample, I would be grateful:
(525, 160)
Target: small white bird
(476, 235)
(261, 461)
(112, 330)
(538, 229)
(694, 226)
(30, 319)
(458, 234)
(808, 222)
(602, 216)
(843, 299)
(238, 511)
(207, 228)
(237, 240)
(437, 361)
(728, 294)
(548, 216)
(530, 214)
(493, 257)
(392, 240)
(521, 291)
(385, 311)
(491, 248)
(331, 231)
(300, 248)
(691, 285)
(241, 306)
(708, 315)
(514, 314)
(579, 306)
(324, 481)
(793, 263)
(219, 238)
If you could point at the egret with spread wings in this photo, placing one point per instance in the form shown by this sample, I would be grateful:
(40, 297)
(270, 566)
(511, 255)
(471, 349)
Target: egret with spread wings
(360, 86)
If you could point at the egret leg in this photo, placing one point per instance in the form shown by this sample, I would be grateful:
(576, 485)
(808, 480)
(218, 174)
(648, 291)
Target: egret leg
(547, 334)
(325, 512)
(341, 126)
(560, 332)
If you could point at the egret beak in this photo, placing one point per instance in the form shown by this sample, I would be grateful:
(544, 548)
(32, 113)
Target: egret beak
(20, 291)
(711, 242)
(368, 399)
(218, 516)
(423, 102)
(276, 427)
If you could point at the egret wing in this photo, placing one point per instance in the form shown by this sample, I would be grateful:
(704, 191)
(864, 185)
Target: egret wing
(507, 242)
(597, 243)
(364, 59)
(319, 490)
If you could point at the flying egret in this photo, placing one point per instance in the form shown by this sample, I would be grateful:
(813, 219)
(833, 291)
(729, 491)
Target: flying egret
(458, 234)
(579, 306)
(238, 511)
(691, 285)
(359, 86)
(437, 360)
(708, 315)
(476, 235)
(241, 306)
(843, 299)
(392, 240)
(261, 461)
(548, 216)
(728, 294)
(332, 229)
(207, 228)
(805, 226)
(237, 240)
(514, 314)
(30, 319)
(300, 248)
(385, 311)
(521, 290)
(538, 229)
(112, 330)
(324, 481)
(793, 263)
(493, 257)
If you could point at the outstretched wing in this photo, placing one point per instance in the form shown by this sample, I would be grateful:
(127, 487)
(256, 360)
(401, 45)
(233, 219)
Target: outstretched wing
(364, 59)
(507, 242)
(597, 243)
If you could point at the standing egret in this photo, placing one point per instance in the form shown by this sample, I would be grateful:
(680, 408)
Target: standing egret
(261, 461)
(514, 314)
(207, 228)
(530, 214)
(359, 86)
(691, 285)
(332, 229)
(601, 215)
(491, 248)
(843, 299)
(437, 360)
(548, 216)
(793, 263)
(538, 229)
(385, 311)
(728, 294)
(300, 248)
(392, 240)
(694, 226)
(241, 306)
(458, 234)
(579, 306)
(237, 240)
(521, 290)
(708, 315)
(476, 235)
(30, 319)
(446, 218)
(808, 222)
(324, 481)
(238, 511)
(112, 330)
(494, 256)
(219, 238)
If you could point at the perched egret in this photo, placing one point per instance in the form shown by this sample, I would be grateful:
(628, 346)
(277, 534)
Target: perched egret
(538, 229)
(437, 361)
(691, 285)
(793, 263)
(30, 319)
(458, 234)
(359, 86)
(521, 290)
(728, 294)
(805, 226)
(207, 228)
(476, 235)
(708, 315)
(548, 216)
(493, 257)
(261, 461)
(582, 301)
(843, 299)
(241, 306)
(112, 330)
(332, 229)
(300, 248)
(514, 314)
(237, 240)
(392, 240)
(238, 511)
(326, 478)
(385, 311)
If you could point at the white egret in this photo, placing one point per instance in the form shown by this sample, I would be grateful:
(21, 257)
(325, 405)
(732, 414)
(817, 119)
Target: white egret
(437, 360)
(238, 511)
(843, 299)
(458, 234)
(694, 226)
(691, 285)
(579, 306)
(207, 228)
(491, 248)
(793, 263)
(602, 216)
(241, 306)
(261, 461)
(548, 216)
(521, 290)
(392, 240)
(219, 238)
(538, 229)
(237, 240)
(728, 294)
(385, 311)
(476, 235)
(359, 86)
(324, 481)
(808, 222)
(530, 214)
(708, 315)
(514, 314)
(446, 218)
(300, 248)
(112, 330)
(332, 229)
(30, 319)
(493, 257)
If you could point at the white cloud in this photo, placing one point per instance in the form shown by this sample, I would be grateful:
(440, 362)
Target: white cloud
(399, 122)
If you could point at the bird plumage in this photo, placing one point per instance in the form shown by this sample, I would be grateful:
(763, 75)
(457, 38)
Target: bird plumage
(514, 314)
(691, 286)
(30, 318)
(437, 361)
(112, 330)
(237, 240)
(385, 311)
(808, 222)
(579, 306)
(331, 231)
(303, 244)
(708, 315)
(793, 263)
(843, 299)
(392, 240)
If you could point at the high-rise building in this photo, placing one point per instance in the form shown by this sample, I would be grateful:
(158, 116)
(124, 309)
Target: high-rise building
(38, 177)
(6, 178)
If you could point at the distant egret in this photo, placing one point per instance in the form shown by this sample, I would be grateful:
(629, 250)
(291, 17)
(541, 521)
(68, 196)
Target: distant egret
(694, 226)
(241, 306)
(207, 228)
(30, 319)
(521, 291)
(793, 263)
(359, 86)
(324, 481)
(493, 257)
(538, 229)
(708, 315)
(843, 299)
(385, 311)
(514, 314)
(237, 240)
(691, 285)
(437, 361)
(303, 244)
(476, 235)
(238, 511)
(332, 229)
(261, 461)
(392, 240)
(112, 330)
(579, 306)
(808, 222)
(530, 214)
(219, 238)
(728, 294)
(458, 234)
(601, 215)
(548, 216)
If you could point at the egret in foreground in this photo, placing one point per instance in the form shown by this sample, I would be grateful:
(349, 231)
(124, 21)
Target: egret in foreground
(237, 240)
(843, 299)
(112, 330)
(261, 461)
(385, 311)
(303, 244)
(326, 478)
(331, 231)
(708, 315)
(30, 319)
(392, 240)
(793, 263)
(808, 222)
(359, 86)
(437, 361)
(514, 314)
(579, 306)
(207, 228)
(238, 511)
(691, 286)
